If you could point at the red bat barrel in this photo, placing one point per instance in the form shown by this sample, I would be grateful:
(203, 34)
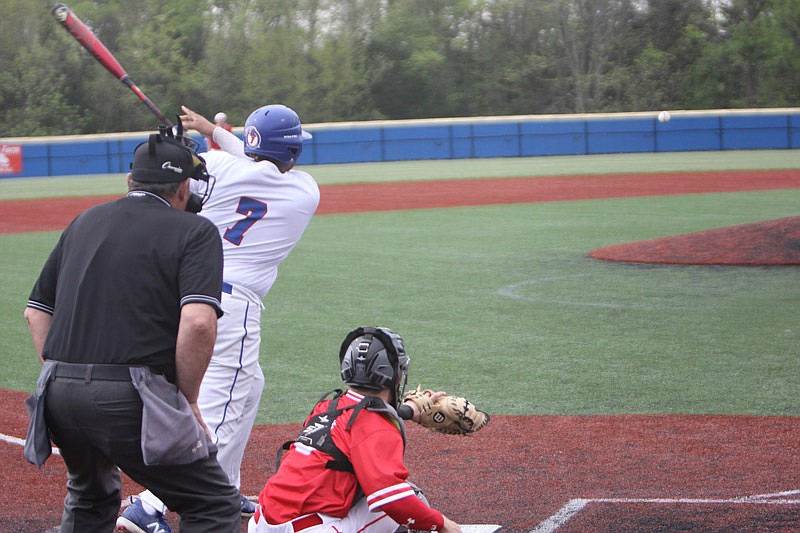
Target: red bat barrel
(88, 40)
(94, 46)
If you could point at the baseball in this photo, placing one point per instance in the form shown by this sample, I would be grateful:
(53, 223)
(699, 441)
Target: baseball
(663, 116)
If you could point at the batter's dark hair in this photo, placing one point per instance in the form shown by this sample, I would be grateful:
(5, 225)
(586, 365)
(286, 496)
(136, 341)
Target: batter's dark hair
(282, 167)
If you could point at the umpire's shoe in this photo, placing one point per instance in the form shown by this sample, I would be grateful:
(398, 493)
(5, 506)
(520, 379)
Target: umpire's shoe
(135, 519)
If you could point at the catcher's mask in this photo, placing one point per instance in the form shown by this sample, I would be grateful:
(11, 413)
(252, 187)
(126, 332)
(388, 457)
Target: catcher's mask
(375, 358)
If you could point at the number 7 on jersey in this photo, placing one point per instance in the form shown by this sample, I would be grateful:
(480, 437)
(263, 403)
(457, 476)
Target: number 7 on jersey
(253, 211)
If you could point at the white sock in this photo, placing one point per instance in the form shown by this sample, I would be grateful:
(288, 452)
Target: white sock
(151, 503)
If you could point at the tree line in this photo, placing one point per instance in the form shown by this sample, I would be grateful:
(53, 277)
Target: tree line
(351, 60)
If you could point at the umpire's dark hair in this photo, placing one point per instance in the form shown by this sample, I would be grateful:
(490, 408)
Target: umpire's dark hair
(164, 190)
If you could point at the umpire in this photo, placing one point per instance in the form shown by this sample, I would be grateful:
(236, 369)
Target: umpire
(123, 317)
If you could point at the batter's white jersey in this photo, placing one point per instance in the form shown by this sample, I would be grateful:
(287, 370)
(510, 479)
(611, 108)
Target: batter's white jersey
(260, 213)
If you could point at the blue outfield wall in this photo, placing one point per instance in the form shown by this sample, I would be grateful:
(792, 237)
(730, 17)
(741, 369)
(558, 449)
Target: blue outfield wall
(459, 138)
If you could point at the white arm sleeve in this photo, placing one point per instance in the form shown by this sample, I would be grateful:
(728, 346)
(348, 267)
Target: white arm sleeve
(228, 141)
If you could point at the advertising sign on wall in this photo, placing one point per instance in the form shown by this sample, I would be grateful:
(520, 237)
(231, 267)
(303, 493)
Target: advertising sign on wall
(10, 158)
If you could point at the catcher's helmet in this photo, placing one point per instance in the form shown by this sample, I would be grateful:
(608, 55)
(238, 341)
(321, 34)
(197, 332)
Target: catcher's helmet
(375, 358)
(274, 132)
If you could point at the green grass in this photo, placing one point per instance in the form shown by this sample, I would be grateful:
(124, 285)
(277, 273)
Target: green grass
(23, 256)
(502, 304)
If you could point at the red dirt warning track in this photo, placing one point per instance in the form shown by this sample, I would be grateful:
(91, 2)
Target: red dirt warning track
(18, 216)
(622, 473)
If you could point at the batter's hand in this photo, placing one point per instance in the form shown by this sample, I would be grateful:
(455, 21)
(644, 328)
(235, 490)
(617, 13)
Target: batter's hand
(197, 122)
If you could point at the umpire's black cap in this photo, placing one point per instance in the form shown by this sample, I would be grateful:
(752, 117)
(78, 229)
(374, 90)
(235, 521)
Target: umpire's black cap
(165, 160)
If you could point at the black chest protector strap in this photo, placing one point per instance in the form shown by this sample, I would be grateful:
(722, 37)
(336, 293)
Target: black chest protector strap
(317, 432)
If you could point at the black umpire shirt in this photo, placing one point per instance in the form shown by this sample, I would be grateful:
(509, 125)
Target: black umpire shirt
(118, 277)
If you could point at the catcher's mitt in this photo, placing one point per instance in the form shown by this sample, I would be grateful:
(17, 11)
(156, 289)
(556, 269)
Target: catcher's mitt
(449, 414)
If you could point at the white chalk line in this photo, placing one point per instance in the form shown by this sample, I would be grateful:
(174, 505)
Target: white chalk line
(575, 506)
(21, 442)
(561, 517)
(512, 292)
(771, 495)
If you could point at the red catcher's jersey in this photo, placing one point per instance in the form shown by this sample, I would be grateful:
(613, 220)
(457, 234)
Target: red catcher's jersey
(304, 485)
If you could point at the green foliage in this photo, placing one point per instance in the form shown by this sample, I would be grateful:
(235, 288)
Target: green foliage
(341, 60)
(780, 80)
(341, 90)
(35, 95)
(754, 61)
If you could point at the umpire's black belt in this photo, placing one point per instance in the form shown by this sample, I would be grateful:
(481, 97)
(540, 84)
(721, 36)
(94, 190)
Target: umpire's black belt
(91, 371)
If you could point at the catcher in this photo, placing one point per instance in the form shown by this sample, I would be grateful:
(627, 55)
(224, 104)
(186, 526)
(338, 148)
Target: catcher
(345, 470)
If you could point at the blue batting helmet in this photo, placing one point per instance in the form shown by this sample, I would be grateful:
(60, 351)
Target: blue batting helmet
(274, 132)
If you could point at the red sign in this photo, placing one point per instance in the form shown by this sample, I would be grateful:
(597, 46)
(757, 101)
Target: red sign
(10, 158)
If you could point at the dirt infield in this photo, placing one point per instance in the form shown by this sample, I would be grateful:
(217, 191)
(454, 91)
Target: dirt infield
(529, 473)
(608, 473)
(772, 242)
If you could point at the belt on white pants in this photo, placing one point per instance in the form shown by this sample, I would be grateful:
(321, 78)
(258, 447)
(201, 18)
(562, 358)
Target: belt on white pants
(298, 524)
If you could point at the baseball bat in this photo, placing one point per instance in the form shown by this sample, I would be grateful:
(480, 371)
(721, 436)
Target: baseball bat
(94, 46)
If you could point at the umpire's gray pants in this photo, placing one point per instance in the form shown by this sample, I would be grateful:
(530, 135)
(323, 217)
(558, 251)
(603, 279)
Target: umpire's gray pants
(96, 424)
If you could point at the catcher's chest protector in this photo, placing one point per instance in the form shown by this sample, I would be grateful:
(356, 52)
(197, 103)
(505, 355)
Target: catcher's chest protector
(317, 432)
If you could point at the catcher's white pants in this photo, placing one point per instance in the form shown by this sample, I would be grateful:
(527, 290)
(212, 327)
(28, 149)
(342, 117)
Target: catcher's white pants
(232, 385)
(360, 519)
